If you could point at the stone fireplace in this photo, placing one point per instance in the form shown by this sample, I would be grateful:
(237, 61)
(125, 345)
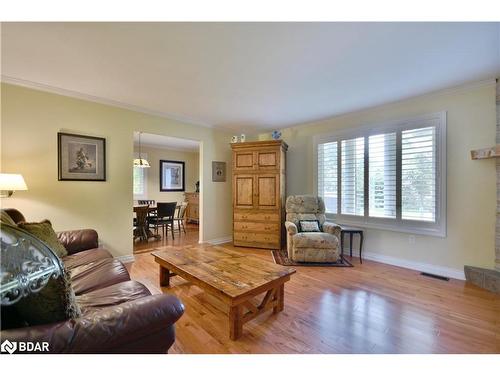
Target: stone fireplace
(490, 278)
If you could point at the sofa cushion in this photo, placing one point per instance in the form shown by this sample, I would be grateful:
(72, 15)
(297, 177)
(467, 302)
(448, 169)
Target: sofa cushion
(53, 303)
(317, 240)
(98, 275)
(45, 233)
(85, 257)
(112, 295)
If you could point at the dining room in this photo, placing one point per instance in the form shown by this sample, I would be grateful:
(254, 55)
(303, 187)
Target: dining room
(166, 188)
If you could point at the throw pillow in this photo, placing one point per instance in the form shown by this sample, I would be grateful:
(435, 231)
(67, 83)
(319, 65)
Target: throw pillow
(309, 226)
(44, 232)
(6, 219)
(54, 303)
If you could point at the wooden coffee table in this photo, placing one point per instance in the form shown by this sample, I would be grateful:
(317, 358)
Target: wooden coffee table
(232, 276)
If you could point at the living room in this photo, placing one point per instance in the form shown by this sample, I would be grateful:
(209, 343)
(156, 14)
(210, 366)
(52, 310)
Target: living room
(238, 188)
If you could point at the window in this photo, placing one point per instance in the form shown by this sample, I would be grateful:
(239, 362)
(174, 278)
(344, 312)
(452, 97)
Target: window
(390, 176)
(140, 177)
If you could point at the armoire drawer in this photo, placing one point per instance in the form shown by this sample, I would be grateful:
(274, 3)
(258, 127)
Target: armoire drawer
(243, 226)
(250, 237)
(257, 216)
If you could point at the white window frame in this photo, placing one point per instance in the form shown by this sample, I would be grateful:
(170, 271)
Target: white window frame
(145, 171)
(437, 228)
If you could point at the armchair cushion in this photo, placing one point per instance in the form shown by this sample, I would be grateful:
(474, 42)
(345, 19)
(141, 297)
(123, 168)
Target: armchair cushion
(85, 257)
(318, 240)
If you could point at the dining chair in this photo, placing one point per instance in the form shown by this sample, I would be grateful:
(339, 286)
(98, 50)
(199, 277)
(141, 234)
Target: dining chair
(151, 214)
(141, 223)
(165, 213)
(181, 217)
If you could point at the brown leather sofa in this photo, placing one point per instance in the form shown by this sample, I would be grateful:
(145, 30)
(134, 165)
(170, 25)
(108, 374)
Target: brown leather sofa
(119, 315)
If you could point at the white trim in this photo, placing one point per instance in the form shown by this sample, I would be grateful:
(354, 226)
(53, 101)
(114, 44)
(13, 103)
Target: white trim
(218, 241)
(126, 258)
(100, 100)
(397, 225)
(412, 265)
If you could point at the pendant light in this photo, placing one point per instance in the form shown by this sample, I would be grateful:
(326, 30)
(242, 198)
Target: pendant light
(141, 163)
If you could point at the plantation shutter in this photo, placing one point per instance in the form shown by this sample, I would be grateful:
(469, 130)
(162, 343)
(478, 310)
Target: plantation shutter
(327, 175)
(382, 175)
(419, 174)
(352, 180)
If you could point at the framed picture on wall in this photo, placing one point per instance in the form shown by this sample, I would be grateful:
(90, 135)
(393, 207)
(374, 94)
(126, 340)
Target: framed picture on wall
(81, 157)
(172, 175)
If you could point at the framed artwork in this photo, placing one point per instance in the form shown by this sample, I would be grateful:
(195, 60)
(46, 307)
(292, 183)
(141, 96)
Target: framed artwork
(218, 171)
(172, 175)
(81, 157)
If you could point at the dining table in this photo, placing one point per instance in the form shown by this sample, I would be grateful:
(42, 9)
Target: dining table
(148, 232)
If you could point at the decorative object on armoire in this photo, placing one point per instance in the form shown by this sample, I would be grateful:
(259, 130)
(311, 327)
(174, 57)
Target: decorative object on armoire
(487, 278)
(235, 139)
(172, 176)
(259, 193)
(316, 247)
(9, 183)
(243, 138)
(219, 171)
(81, 157)
(192, 210)
(276, 134)
(197, 186)
(141, 162)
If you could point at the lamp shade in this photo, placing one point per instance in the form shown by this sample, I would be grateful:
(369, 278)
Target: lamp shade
(12, 182)
(141, 163)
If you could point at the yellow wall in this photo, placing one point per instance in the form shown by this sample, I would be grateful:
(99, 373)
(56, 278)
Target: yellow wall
(30, 122)
(471, 193)
(191, 170)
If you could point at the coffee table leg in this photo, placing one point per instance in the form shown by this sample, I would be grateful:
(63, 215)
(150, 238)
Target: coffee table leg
(280, 299)
(235, 322)
(164, 276)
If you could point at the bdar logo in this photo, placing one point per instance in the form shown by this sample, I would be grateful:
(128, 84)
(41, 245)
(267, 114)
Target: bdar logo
(9, 347)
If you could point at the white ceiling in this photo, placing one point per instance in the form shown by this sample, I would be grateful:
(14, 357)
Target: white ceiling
(162, 141)
(249, 76)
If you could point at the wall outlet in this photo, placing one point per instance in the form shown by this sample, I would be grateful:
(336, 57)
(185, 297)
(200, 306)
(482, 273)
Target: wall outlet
(411, 240)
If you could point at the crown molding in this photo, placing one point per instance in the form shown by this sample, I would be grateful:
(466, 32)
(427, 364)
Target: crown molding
(431, 94)
(96, 99)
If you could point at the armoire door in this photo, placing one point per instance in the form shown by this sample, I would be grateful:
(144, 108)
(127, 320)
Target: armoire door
(243, 161)
(268, 193)
(268, 159)
(244, 191)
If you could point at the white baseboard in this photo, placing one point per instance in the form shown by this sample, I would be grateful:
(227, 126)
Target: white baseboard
(218, 241)
(413, 265)
(126, 258)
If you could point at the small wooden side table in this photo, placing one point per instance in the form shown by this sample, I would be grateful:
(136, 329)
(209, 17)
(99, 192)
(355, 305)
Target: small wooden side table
(351, 231)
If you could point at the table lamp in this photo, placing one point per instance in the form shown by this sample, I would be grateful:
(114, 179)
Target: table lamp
(9, 183)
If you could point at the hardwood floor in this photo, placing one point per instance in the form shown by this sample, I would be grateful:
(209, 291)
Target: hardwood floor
(371, 308)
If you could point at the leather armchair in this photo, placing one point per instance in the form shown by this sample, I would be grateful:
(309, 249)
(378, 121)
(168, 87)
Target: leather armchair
(119, 315)
(317, 247)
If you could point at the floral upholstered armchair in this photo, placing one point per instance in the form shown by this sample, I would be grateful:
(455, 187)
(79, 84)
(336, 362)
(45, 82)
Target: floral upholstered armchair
(320, 246)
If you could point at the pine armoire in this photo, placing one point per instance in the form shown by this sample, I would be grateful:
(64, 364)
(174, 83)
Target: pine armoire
(259, 193)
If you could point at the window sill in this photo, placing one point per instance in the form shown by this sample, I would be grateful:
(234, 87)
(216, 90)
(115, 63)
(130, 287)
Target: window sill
(420, 228)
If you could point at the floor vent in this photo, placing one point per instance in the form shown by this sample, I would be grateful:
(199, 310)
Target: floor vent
(444, 278)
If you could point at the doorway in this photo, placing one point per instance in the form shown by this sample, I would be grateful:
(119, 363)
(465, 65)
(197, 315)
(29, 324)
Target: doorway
(166, 179)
